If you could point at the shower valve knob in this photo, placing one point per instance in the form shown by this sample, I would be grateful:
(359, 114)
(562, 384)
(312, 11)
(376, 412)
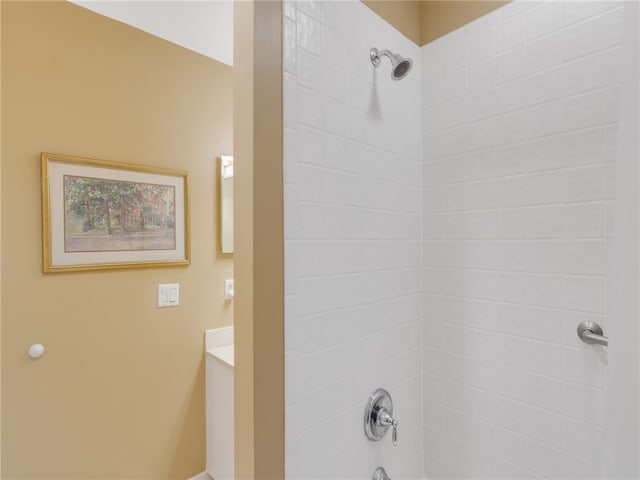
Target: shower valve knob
(385, 420)
(378, 417)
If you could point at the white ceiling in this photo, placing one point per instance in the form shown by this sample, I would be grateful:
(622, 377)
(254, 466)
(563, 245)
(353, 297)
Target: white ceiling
(205, 27)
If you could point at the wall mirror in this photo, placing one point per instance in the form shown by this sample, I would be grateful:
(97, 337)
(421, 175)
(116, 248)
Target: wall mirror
(226, 203)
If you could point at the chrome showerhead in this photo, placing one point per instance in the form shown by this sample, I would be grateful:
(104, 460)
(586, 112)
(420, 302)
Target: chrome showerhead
(400, 66)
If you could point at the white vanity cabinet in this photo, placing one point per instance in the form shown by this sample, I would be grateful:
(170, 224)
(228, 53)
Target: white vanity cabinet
(219, 403)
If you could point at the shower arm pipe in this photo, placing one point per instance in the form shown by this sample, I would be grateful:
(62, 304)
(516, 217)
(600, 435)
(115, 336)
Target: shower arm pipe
(377, 54)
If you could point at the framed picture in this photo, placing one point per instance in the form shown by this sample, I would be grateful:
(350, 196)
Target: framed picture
(99, 215)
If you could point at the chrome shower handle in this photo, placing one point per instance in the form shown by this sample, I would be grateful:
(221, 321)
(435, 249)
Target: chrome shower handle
(378, 416)
(590, 337)
(384, 419)
(394, 434)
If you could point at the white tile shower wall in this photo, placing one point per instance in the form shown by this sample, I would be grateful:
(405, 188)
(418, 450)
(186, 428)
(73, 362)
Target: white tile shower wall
(353, 242)
(519, 146)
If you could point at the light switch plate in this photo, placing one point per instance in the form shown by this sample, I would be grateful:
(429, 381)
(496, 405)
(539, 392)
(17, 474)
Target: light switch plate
(228, 289)
(168, 295)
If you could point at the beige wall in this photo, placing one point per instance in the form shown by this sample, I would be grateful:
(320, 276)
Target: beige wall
(243, 47)
(404, 15)
(259, 241)
(440, 17)
(425, 20)
(119, 392)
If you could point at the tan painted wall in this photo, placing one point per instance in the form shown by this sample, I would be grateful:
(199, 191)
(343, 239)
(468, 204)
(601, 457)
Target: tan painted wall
(440, 17)
(404, 15)
(425, 20)
(243, 148)
(259, 241)
(119, 392)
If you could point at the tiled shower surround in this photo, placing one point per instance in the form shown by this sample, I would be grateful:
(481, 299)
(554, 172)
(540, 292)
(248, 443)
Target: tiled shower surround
(353, 242)
(519, 118)
(444, 235)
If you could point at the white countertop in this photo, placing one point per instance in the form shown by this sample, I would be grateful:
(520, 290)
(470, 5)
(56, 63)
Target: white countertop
(224, 353)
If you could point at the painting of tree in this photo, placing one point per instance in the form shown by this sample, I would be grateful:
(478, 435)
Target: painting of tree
(111, 215)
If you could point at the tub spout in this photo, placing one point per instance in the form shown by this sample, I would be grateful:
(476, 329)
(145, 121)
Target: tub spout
(380, 474)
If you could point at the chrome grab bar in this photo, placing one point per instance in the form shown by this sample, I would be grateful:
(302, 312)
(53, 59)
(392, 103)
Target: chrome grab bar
(591, 332)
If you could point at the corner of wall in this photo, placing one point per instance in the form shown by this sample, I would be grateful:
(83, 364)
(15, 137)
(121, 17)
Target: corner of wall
(243, 233)
(258, 255)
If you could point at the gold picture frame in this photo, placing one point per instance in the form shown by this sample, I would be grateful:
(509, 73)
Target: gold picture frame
(102, 215)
